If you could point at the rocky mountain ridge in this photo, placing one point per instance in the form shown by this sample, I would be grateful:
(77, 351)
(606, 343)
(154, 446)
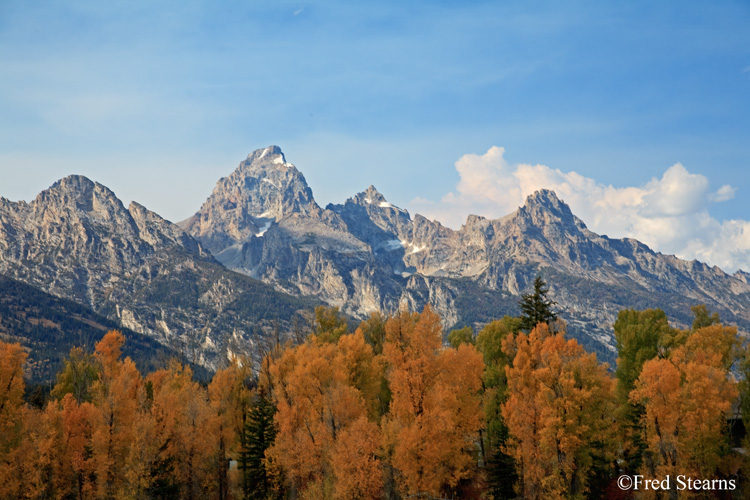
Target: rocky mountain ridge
(259, 254)
(77, 240)
(367, 254)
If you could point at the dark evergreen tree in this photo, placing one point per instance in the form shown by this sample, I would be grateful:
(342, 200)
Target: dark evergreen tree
(501, 470)
(536, 307)
(258, 436)
(162, 486)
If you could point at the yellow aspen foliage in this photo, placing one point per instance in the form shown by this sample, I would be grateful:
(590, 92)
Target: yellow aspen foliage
(20, 472)
(114, 396)
(321, 389)
(155, 448)
(70, 428)
(306, 424)
(362, 370)
(16, 450)
(183, 431)
(355, 462)
(12, 358)
(560, 402)
(108, 351)
(435, 411)
(686, 399)
(712, 340)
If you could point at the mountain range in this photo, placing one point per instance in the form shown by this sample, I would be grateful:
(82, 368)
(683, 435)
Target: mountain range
(76, 240)
(260, 253)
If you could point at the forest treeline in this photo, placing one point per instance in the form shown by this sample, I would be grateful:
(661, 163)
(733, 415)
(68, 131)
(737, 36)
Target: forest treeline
(388, 411)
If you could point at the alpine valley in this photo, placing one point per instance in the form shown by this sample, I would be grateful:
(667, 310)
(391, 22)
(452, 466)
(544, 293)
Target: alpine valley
(260, 254)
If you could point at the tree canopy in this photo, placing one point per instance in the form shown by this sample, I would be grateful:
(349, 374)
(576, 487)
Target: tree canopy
(386, 412)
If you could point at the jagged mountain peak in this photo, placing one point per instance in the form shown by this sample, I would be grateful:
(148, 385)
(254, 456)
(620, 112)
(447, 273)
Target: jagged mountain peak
(545, 199)
(271, 156)
(373, 192)
(544, 195)
(370, 196)
(79, 194)
(376, 204)
(267, 165)
(73, 181)
(93, 212)
(137, 208)
(263, 187)
(371, 207)
(742, 276)
(543, 207)
(77, 185)
(265, 180)
(262, 152)
(473, 220)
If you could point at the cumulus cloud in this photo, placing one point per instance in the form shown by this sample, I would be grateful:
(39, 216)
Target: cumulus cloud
(668, 213)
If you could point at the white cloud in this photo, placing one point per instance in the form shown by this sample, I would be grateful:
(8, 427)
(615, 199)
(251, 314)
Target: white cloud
(670, 213)
(724, 193)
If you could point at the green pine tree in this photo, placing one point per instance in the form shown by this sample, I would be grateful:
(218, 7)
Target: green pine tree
(536, 307)
(162, 485)
(259, 434)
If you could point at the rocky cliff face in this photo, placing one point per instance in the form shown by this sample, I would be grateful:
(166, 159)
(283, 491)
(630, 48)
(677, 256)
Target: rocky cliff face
(77, 240)
(367, 254)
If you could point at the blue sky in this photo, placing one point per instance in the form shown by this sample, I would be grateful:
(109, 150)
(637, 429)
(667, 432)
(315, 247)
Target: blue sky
(157, 100)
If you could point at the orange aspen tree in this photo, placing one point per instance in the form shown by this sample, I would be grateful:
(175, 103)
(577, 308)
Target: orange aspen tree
(114, 396)
(12, 358)
(558, 412)
(149, 473)
(66, 449)
(321, 390)
(24, 469)
(19, 429)
(157, 446)
(435, 410)
(355, 460)
(686, 399)
(184, 424)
